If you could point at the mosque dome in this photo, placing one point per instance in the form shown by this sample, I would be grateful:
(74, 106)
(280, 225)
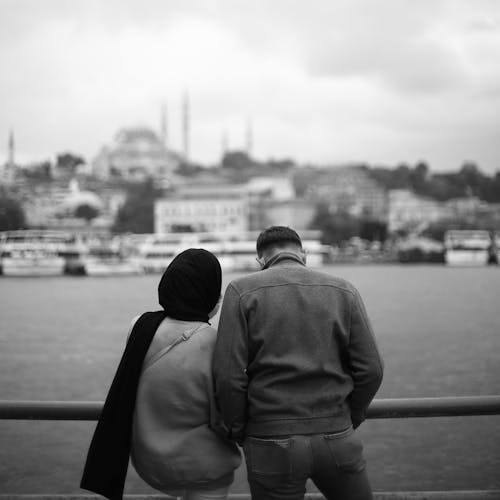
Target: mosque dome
(131, 136)
(136, 153)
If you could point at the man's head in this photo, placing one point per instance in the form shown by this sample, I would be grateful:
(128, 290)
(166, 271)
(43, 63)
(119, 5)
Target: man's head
(277, 239)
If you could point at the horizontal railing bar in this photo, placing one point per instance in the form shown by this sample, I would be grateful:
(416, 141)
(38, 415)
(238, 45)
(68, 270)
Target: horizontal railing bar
(380, 408)
(434, 407)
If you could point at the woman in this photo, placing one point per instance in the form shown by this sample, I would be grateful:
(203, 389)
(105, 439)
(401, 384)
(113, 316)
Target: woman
(160, 408)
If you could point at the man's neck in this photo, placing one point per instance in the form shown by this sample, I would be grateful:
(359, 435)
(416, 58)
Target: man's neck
(283, 254)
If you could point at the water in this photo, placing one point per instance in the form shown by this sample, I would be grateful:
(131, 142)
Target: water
(438, 330)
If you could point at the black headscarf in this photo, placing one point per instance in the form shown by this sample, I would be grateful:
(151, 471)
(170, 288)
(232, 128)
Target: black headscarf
(190, 287)
(188, 290)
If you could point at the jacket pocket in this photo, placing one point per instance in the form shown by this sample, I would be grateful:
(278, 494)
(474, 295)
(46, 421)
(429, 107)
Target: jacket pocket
(268, 456)
(346, 450)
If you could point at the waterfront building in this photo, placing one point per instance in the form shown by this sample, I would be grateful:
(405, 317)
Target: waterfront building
(218, 209)
(134, 155)
(348, 189)
(273, 203)
(408, 211)
(294, 213)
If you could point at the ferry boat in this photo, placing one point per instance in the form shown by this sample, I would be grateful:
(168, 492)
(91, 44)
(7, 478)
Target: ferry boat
(467, 247)
(72, 249)
(495, 249)
(30, 253)
(157, 251)
(239, 253)
(236, 252)
(107, 259)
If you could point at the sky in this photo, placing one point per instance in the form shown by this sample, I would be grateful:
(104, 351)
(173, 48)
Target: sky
(320, 81)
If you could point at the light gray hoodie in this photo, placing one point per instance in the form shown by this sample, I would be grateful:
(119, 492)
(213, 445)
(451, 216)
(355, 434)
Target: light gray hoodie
(173, 444)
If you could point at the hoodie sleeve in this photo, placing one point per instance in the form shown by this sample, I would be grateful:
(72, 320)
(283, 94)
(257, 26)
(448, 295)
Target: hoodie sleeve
(230, 364)
(365, 362)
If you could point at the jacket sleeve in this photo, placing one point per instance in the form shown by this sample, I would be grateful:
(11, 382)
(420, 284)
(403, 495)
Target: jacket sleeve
(230, 363)
(365, 362)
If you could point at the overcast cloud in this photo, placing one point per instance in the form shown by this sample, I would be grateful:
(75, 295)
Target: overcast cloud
(322, 81)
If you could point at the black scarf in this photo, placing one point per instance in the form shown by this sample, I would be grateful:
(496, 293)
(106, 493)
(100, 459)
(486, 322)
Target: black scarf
(190, 287)
(188, 290)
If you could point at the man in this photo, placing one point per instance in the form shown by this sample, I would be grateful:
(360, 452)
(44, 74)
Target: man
(295, 367)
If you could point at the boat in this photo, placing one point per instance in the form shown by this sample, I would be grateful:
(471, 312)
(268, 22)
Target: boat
(72, 249)
(419, 250)
(157, 251)
(30, 253)
(495, 249)
(106, 259)
(239, 255)
(236, 252)
(317, 254)
(467, 247)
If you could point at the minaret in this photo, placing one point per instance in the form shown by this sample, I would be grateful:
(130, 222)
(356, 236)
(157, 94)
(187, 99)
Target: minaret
(185, 126)
(164, 125)
(11, 149)
(9, 167)
(249, 138)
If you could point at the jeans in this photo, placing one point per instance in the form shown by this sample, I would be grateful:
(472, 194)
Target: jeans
(215, 494)
(278, 468)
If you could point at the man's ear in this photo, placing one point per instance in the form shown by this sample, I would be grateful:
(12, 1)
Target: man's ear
(303, 255)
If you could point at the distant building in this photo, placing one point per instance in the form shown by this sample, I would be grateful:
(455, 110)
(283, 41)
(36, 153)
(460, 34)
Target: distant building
(278, 188)
(135, 154)
(54, 205)
(218, 209)
(467, 206)
(408, 211)
(294, 213)
(265, 193)
(347, 189)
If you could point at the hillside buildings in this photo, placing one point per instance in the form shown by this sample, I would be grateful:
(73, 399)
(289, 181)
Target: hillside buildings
(413, 213)
(233, 208)
(410, 212)
(230, 199)
(348, 189)
(53, 206)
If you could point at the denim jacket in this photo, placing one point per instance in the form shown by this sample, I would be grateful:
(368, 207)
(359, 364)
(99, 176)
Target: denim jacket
(295, 353)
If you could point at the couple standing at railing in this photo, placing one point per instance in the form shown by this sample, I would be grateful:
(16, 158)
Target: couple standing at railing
(287, 377)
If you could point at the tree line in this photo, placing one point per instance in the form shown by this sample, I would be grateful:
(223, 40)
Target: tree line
(469, 180)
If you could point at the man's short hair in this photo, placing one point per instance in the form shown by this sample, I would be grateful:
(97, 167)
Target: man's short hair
(277, 236)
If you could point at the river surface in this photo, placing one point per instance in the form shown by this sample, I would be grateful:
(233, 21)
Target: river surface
(438, 330)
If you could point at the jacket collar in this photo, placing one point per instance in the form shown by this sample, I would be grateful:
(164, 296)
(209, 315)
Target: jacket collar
(281, 257)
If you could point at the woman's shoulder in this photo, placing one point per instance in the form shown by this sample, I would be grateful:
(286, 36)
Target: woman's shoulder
(207, 333)
(132, 324)
(171, 329)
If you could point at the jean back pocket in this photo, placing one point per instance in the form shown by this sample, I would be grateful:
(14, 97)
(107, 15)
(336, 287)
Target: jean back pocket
(269, 456)
(346, 450)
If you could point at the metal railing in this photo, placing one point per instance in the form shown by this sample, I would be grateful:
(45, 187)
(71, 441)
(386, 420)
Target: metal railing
(379, 409)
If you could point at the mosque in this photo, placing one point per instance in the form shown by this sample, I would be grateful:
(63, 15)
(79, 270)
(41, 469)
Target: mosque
(138, 152)
(133, 155)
